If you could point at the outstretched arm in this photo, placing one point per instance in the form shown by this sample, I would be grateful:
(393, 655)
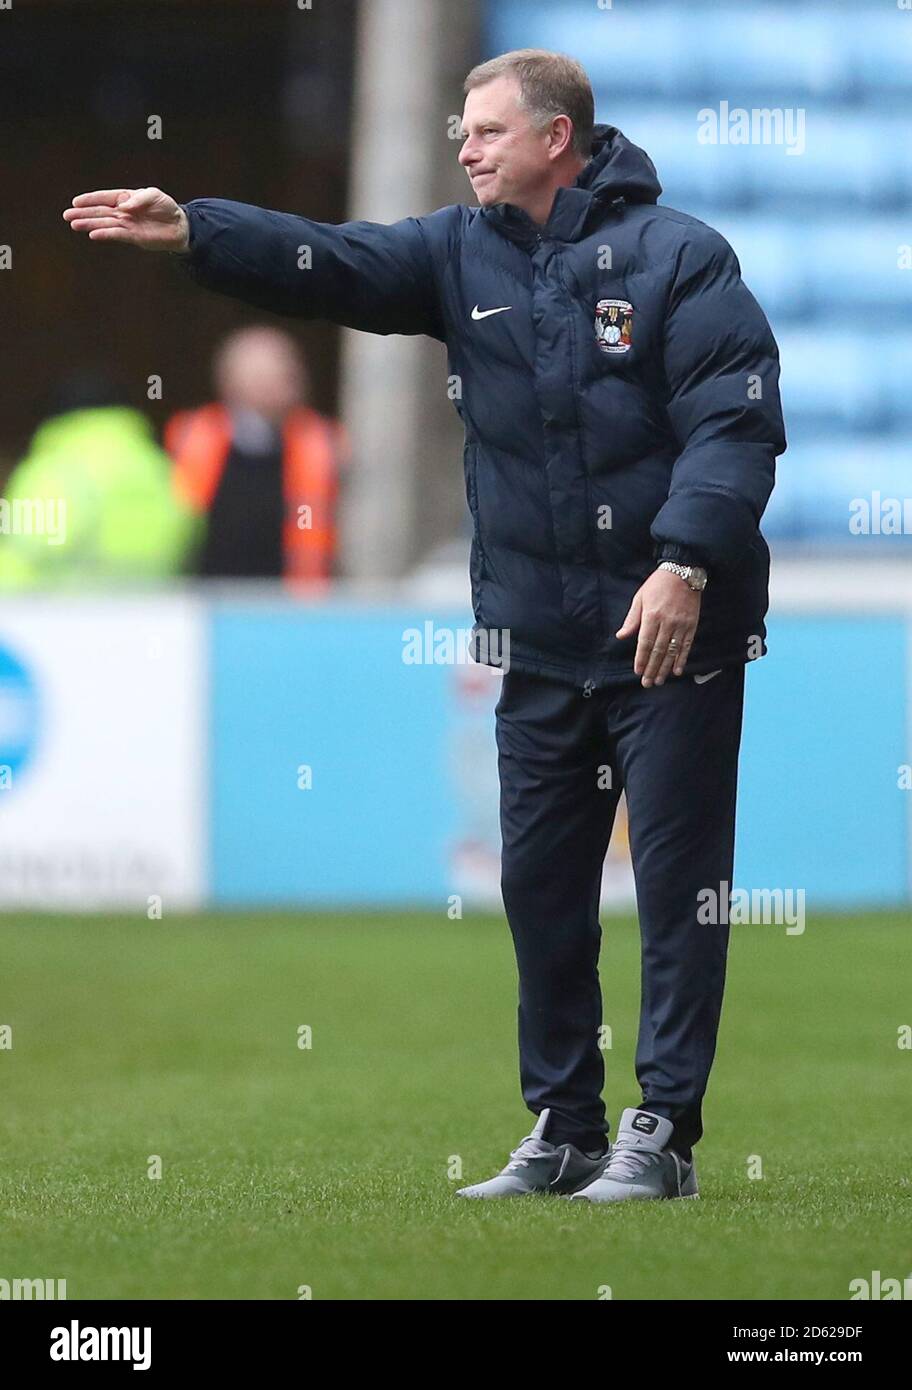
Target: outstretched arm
(364, 275)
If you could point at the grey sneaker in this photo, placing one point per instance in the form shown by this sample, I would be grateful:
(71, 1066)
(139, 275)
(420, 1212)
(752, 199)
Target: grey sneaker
(537, 1166)
(640, 1166)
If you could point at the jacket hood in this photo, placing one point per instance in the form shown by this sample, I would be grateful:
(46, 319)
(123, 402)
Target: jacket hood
(619, 169)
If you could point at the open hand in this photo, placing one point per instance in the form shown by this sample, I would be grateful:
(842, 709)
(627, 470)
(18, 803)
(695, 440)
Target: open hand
(144, 217)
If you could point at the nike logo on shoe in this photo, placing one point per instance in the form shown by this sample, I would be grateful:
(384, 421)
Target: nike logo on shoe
(478, 314)
(641, 1165)
(701, 680)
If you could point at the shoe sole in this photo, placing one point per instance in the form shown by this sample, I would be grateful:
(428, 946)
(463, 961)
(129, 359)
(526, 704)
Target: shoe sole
(533, 1192)
(536, 1191)
(511, 1196)
(675, 1197)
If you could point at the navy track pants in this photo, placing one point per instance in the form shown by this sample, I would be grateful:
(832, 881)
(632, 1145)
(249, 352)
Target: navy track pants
(564, 758)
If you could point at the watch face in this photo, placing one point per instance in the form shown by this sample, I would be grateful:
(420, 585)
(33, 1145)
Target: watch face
(697, 578)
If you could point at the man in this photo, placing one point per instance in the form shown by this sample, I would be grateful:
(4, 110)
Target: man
(102, 490)
(619, 393)
(261, 465)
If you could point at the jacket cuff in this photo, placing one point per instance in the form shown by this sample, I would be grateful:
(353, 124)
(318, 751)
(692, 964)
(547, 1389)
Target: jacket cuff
(185, 255)
(680, 554)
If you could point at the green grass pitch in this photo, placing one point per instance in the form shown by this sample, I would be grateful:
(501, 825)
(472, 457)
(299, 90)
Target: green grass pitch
(328, 1167)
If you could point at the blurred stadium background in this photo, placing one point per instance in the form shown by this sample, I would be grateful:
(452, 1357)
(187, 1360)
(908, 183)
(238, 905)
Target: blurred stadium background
(255, 763)
(154, 734)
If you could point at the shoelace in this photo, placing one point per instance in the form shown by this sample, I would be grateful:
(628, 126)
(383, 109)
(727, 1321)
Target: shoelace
(530, 1148)
(628, 1161)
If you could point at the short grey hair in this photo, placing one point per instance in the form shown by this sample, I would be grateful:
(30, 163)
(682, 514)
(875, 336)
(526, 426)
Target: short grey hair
(551, 84)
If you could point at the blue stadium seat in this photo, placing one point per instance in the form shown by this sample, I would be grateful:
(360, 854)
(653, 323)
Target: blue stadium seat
(811, 271)
(851, 157)
(626, 49)
(884, 57)
(891, 355)
(818, 234)
(848, 160)
(695, 177)
(772, 52)
(775, 262)
(855, 257)
(828, 376)
(817, 481)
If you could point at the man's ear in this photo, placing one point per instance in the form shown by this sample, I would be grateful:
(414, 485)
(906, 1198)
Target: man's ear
(561, 131)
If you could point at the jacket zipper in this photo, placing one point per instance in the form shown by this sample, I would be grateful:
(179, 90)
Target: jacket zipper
(589, 685)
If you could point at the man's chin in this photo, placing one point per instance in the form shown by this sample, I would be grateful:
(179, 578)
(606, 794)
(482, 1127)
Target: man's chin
(487, 195)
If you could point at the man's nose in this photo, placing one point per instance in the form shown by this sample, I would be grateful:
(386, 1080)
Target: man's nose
(468, 155)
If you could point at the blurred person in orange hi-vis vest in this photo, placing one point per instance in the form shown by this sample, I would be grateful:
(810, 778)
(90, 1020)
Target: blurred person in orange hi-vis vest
(262, 465)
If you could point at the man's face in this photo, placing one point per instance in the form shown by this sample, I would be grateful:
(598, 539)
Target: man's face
(260, 371)
(503, 155)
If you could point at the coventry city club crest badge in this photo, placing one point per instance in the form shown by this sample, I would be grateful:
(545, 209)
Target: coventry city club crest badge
(614, 325)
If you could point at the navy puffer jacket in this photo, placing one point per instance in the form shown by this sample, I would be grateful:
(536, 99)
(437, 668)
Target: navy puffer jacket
(620, 405)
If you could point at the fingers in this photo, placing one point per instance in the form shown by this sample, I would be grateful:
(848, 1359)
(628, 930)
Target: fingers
(105, 197)
(112, 234)
(649, 631)
(664, 657)
(660, 658)
(686, 640)
(90, 210)
(92, 218)
(94, 211)
(632, 621)
(139, 198)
